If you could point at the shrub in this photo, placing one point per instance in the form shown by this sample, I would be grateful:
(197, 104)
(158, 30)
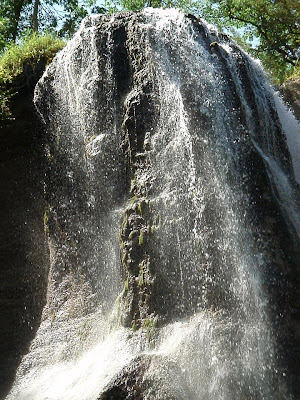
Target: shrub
(30, 50)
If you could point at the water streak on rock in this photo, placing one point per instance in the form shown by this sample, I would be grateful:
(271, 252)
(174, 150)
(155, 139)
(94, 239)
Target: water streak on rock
(172, 219)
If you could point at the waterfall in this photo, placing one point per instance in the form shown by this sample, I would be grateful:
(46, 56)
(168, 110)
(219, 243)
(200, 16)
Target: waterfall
(172, 218)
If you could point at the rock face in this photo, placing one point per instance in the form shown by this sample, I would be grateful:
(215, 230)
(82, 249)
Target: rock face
(141, 379)
(24, 254)
(291, 94)
(172, 213)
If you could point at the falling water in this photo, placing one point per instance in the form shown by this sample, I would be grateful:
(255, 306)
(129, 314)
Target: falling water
(168, 177)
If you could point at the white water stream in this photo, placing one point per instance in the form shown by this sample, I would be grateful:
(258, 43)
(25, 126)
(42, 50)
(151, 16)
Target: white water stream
(221, 347)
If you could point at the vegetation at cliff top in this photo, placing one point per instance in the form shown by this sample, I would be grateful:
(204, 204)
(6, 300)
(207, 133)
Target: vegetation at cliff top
(59, 16)
(29, 50)
(268, 29)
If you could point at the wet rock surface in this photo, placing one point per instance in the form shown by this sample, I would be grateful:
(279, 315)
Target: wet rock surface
(162, 204)
(138, 381)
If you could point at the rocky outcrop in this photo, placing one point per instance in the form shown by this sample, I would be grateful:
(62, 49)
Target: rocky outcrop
(24, 255)
(291, 94)
(170, 196)
(128, 385)
(147, 377)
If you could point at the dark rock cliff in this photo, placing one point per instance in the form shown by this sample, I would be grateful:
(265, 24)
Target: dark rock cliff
(23, 255)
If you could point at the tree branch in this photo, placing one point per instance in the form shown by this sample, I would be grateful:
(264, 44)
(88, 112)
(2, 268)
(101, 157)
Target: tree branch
(35, 23)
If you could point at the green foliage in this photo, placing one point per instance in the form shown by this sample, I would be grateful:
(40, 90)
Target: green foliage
(59, 16)
(74, 12)
(135, 5)
(184, 5)
(295, 74)
(30, 50)
(5, 113)
(268, 29)
(274, 24)
(4, 30)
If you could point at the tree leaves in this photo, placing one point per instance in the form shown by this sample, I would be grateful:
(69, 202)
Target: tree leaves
(275, 24)
(269, 29)
(59, 16)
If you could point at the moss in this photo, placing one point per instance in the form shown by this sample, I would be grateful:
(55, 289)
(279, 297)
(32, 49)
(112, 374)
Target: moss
(125, 289)
(124, 256)
(126, 286)
(143, 206)
(135, 260)
(141, 238)
(132, 200)
(46, 217)
(140, 208)
(124, 227)
(53, 317)
(50, 157)
(295, 74)
(141, 275)
(150, 325)
(144, 277)
(131, 234)
(120, 304)
(134, 326)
